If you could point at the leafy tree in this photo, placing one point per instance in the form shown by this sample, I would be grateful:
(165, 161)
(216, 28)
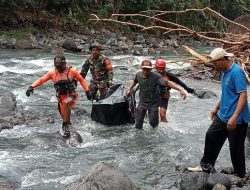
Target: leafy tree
(78, 11)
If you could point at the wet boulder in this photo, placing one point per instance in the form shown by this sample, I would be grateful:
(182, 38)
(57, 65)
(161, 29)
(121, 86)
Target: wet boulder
(26, 42)
(7, 104)
(227, 170)
(195, 180)
(239, 183)
(218, 178)
(74, 140)
(215, 181)
(5, 184)
(69, 45)
(7, 42)
(204, 94)
(219, 187)
(11, 115)
(4, 124)
(103, 176)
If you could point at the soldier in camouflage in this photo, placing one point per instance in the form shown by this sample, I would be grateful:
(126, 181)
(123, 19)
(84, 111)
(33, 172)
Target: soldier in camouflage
(101, 70)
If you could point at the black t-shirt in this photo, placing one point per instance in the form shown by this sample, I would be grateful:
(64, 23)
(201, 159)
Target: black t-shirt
(150, 87)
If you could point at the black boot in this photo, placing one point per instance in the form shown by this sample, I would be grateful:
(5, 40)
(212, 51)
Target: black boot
(65, 130)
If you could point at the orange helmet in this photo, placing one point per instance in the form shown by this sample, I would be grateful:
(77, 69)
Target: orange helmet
(160, 63)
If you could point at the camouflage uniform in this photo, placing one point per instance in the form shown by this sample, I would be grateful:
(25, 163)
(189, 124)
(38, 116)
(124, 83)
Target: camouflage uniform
(101, 76)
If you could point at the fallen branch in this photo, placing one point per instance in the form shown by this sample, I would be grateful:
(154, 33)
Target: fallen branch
(117, 21)
(206, 9)
(195, 54)
(153, 18)
(206, 60)
(231, 42)
(182, 29)
(222, 33)
(244, 8)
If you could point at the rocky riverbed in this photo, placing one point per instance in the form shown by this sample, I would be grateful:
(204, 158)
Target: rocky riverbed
(112, 43)
(12, 114)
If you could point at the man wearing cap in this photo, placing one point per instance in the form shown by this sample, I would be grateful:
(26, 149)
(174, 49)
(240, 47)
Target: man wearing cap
(151, 85)
(160, 67)
(230, 115)
(64, 83)
(101, 70)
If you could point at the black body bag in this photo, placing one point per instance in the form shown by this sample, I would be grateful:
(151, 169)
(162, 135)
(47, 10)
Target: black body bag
(114, 109)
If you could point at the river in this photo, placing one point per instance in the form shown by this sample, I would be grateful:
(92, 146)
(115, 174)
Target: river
(33, 158)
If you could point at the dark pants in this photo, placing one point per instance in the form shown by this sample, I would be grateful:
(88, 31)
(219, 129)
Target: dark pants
(216, 136)
(153, 114)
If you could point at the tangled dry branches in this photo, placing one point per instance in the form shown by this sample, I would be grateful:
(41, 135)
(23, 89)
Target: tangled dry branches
(237, 43)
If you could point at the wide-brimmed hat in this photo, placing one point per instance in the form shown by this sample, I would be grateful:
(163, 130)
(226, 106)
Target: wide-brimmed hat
(59, 60)
(219, 53)
(147, 64)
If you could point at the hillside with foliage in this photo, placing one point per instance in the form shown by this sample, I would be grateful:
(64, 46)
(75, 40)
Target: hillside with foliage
(72, 14)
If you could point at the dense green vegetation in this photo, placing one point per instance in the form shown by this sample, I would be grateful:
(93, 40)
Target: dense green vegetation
(43, 14)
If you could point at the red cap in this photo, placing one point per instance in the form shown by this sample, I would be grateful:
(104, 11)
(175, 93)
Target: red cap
(160, 63)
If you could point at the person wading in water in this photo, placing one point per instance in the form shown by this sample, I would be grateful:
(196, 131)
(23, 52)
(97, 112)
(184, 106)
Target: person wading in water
(160, 67)
(101, 70)
(65, 86)
(152, 86)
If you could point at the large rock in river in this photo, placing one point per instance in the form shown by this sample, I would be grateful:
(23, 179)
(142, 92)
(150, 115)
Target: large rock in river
(195, 180)
(69, 45)
(27, 41)
(5, 184)
(7, 103)
(205, 181)
(103, 176)
(218, 178)
(11, 115)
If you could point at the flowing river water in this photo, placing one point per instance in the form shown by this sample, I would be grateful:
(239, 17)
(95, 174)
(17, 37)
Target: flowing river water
(33, 158)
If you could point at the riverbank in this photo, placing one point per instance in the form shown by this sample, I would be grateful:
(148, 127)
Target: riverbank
(113, 43)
